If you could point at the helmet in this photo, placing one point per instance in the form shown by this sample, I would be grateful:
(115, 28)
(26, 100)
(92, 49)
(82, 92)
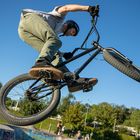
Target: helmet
(72, 24)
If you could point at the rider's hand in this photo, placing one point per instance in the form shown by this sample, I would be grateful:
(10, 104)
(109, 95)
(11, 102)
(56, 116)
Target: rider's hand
(91, 10)
(67, 55)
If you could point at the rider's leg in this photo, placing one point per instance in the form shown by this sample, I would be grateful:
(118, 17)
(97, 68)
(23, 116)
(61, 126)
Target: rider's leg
(37, 33)
(76, 85)
(58, 59)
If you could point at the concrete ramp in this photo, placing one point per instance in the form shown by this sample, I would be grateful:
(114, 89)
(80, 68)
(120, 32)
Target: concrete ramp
(9, 132)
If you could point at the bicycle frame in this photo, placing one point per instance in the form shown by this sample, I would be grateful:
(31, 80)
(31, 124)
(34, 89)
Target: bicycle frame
(97, 50)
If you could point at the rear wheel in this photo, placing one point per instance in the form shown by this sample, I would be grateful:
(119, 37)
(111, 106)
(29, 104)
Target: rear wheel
(122, 64)
(21, 104)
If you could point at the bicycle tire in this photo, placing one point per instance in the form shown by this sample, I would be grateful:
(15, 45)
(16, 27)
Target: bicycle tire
(29, 120)
(122, 65)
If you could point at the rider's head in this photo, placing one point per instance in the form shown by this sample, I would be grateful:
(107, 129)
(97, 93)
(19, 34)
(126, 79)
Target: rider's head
(70, 28)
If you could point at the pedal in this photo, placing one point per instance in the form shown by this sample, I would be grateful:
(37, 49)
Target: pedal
(69, 76)
(46, 74)
(87, 87)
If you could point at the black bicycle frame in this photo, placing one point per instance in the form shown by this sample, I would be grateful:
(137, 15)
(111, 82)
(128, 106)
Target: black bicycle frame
(96, 47)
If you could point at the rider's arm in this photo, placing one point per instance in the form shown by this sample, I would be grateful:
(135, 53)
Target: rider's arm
(72, 8)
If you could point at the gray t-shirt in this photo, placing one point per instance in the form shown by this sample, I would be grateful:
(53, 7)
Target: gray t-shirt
(53, 18)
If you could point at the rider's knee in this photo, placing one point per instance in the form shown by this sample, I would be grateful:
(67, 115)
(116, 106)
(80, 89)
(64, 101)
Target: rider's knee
(55, 42)
(58, 42)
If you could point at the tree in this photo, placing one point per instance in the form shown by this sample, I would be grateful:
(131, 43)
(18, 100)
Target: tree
(134, 120)
(73, 117)
(65, 103)
(87, 114)
(104, 114)
(28, 108)
(122, 113)
(10, 103)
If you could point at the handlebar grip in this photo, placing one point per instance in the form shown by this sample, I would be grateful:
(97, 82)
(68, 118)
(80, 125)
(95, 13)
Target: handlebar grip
(96, 11)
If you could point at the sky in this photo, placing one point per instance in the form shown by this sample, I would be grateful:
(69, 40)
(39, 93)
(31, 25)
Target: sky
(119, 27)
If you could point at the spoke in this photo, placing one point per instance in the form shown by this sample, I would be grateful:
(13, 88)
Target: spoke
(18, 104)
(44, 96)
(39, 87)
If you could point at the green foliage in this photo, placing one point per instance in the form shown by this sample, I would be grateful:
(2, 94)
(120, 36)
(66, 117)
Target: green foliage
(87, 129)
(105, 134)
(121, 113)
(73, 117)
(126, 137)
(78, 116)
(65, 103)
(134, 120)
(28, 108)
(10, 103)
(104, 113)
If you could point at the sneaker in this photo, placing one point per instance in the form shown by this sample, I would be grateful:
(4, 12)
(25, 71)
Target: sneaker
(43, 68)
(81, 83)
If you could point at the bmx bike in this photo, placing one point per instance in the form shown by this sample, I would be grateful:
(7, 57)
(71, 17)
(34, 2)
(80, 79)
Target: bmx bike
(34, 99)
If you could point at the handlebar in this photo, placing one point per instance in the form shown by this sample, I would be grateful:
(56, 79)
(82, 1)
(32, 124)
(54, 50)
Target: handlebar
(95, 15)
(94, 21)
(95, 12)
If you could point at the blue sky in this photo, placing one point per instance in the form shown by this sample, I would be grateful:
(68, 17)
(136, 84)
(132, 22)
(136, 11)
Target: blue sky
(119, 27)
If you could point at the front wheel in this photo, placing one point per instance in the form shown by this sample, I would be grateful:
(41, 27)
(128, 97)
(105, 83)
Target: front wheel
(119, 62)
(26, 101)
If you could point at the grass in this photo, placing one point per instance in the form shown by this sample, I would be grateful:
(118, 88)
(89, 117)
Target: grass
(127, 137)
(48, 125)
